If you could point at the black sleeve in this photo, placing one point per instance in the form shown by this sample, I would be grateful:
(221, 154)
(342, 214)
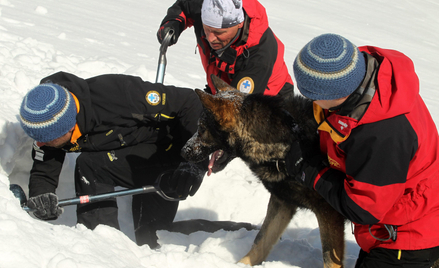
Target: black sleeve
(185, 103)
(257, 63)
(184, 10)
(44, 175)
(331, 187)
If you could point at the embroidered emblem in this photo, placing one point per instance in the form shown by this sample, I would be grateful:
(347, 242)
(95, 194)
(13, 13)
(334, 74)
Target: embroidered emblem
(246, 85)
(333, 163)
(84, 180)
(342, 124)
(75, 148)
(164, 99)
(153, 97)
(112, 156)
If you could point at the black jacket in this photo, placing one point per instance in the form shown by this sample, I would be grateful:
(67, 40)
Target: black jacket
(117, 111)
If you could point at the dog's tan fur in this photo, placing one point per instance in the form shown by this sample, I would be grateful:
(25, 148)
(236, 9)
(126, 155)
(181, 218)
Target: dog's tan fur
(255, 128)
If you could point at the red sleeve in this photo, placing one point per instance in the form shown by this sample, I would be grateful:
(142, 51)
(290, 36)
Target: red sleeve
(378, 156)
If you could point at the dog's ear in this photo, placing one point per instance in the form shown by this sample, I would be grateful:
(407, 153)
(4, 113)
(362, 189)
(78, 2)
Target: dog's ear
(223, 109)
(219, 84)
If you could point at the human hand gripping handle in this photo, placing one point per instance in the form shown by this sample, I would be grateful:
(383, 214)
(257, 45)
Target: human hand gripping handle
(173, 26)
(45, 206)
(304, 169)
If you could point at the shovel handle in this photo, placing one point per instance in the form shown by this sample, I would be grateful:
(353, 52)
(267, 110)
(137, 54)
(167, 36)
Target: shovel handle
(84, 199)
(162, 57)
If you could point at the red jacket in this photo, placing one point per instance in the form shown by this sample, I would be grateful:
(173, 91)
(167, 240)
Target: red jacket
(254, 63)
(384, 162)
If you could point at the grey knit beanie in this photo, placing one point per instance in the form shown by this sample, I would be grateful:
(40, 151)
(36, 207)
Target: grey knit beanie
(222, 13)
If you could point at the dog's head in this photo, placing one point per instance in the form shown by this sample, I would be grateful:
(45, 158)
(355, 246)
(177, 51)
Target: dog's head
(234, 124)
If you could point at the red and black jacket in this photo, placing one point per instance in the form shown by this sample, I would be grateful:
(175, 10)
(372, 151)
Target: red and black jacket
(254, 63)
(384, 157)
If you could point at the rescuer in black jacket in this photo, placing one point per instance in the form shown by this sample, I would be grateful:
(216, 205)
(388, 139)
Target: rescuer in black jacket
(128, 132)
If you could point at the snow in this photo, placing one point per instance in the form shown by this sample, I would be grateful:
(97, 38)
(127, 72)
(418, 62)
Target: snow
(88, 38)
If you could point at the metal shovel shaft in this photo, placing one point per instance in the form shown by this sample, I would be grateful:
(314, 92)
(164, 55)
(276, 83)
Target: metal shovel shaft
(162, 58)
(84, 199)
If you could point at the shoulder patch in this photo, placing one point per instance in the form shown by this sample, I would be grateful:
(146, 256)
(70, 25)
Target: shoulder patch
(153, 97)
(246, 85)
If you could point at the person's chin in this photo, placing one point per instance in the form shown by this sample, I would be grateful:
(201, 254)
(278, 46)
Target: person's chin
(216, 46)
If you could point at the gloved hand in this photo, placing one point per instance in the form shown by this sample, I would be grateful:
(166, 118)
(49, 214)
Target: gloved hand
(304, 169)
(45, 206)
(171, 25)
(186, 179)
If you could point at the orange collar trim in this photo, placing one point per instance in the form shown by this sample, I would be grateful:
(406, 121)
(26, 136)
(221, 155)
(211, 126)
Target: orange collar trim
(76, 132)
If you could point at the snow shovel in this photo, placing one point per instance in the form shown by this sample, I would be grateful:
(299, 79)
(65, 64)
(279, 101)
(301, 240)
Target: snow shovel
(84, 199)
(162, 58)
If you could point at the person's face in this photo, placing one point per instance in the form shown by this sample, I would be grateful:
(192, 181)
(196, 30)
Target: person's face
(59, 142)
(219, 38)
(326, 104)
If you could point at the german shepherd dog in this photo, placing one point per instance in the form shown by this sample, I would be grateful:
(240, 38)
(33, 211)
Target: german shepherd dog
(260, 129)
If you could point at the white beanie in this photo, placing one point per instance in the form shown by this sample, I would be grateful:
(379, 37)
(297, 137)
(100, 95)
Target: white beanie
(222, 13)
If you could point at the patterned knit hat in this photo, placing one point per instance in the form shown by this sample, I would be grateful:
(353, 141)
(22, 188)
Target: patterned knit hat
(329, 67)
(47, 112)
(222, 13)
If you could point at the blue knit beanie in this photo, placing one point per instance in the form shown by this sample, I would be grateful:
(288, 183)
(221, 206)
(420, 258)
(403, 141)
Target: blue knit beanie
(47, 112)
(329, 67)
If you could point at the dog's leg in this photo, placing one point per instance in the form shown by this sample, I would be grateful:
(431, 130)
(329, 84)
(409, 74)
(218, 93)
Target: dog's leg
(278, 216)
(331, 225)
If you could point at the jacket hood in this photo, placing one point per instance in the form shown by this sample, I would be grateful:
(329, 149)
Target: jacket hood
(398, 85)
(259, 21)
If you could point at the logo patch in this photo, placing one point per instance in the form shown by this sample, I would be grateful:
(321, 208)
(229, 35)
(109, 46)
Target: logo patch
(333, 163)
(112, 156)
(342, 124)
(246, 85)
(153, 97)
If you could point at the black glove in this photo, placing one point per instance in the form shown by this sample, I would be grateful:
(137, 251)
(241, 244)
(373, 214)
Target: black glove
(45, 206)
(171, 25)
(186, 180)
(303, 165)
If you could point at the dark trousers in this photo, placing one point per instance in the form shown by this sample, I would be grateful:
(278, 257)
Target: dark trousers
(381, 257)
(130, 167)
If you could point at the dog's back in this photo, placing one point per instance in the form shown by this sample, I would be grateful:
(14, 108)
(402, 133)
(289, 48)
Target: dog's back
(260, 130)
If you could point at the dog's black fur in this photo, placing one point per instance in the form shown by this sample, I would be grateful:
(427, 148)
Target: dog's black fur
(260, 129)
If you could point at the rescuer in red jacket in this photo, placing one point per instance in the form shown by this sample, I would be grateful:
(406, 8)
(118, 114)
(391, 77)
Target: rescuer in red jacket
(234, 42)
(382, 147)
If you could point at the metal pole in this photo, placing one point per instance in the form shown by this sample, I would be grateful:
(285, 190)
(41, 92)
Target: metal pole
(19, 193)
(162, 57)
